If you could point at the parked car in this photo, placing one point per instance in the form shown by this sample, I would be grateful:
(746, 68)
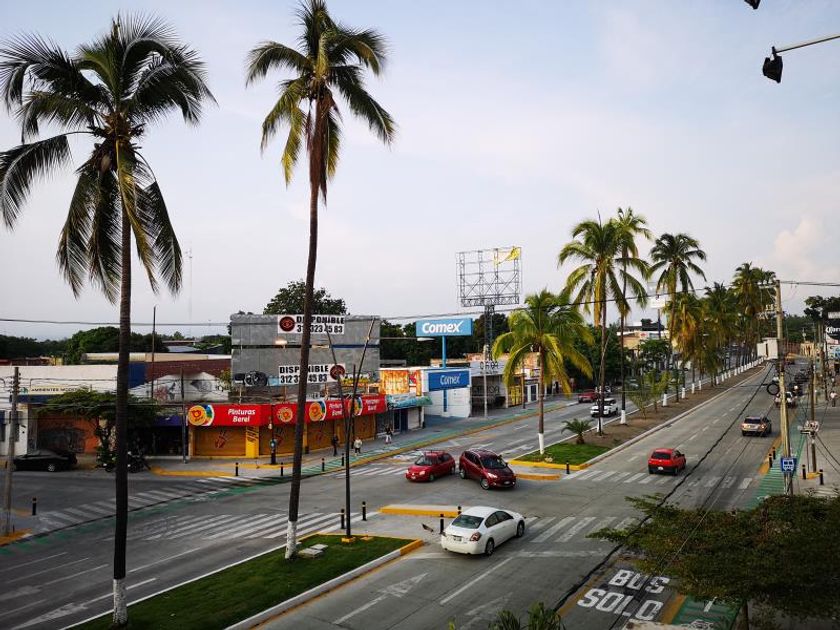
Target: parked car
(666, 460)
(431, 465)
(44, 459)
(756, 425)
(480, 530)
(610, 408)
(486, 466)
(588, 396)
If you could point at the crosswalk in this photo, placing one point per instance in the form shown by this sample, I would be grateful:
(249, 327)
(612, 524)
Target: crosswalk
(372, 471)
(565, 529)
(646, 479)
(67, 517)
(270, 526)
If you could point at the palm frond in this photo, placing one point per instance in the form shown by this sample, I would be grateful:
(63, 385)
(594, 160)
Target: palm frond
(105, 242)
(286, 109)
(364, 105)
(273, 55)
(71, 112)
(21, 166)
(368, 46)
(72, 255)
(158, 227)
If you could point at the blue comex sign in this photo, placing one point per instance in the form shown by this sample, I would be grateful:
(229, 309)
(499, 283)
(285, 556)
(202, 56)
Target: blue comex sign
(460, 327)
(448, 379)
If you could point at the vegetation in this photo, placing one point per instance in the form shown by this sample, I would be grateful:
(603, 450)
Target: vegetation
(20, 347)
(547, 326)
(782, 554)
(563, 452)
(539, 618)
(245, 589)
(290, 300)
(107, 339)
(578, 428)
(111, 90)
(331, 61)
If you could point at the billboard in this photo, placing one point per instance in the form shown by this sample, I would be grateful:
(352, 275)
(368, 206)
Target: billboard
(318, 373)
(293, 324)
(441, 380)
(330, 409)
(451, 327)
(228, 415)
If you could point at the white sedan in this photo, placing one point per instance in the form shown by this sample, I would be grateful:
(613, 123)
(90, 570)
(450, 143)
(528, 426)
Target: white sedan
(481, 529)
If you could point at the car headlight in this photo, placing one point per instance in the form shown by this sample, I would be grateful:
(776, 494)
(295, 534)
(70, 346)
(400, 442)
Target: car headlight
(475, 537)
(492, 475)
(421, 472)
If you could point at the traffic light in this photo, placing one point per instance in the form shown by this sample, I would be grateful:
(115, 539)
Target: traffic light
(772, 68)
(753, 3)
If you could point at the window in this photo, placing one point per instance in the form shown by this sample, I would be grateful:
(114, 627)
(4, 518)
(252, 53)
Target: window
(491, 520)
(661, 455)
(502, 516)
(467, 522)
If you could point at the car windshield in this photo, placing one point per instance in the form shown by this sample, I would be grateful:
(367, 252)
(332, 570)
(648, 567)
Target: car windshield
(661, 455)
(493, 462)
(467, 521)
(424, 461)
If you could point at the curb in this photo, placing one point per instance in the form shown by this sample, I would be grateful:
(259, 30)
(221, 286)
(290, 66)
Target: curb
(765, 465)
(163, 472)
(312, 593)
(527, 464)
(537, 476)
(448, 511)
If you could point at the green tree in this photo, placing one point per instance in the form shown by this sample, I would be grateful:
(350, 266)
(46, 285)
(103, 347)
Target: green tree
(547, 326)
(539, 618)
(577, 428)
(653, 353)
(673, 257)
(754, 294)
(19, 347)
(641, 395)
(818, 307)
(290, 299)
(112, 89)
(331, 61)
(107, 339)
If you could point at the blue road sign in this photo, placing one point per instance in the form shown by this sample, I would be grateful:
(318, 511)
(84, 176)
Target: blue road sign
(788, 464)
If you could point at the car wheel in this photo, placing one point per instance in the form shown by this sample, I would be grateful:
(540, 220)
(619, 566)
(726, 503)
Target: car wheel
(743, 433)
(675, 470)
(452, 470)
(489, 548)
(431, 478)
(51, 467)
(520, 529)
(463, 473)
(650, 470)
(485, 484)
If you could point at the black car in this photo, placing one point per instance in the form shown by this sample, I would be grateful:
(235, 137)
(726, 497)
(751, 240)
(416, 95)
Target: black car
(44, 459)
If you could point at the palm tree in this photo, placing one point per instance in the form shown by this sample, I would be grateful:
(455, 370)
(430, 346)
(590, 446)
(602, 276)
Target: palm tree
(578, 428)
(111, 90)
(330, 60)
(673, 257)
(720, 320)
(599, 278)
(549, 325)
(753, 290)
(630, 227)
(688, 327)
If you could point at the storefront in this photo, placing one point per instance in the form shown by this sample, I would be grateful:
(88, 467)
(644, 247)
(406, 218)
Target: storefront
(226, 430)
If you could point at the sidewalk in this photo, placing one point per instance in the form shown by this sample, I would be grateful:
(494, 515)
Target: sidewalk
(827, 447)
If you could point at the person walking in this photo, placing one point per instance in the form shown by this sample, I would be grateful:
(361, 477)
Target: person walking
(833, 396)
(334, 442)
(389, 434)
(357, 446)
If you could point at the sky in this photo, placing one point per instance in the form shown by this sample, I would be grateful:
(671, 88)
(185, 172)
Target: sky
(515, 121)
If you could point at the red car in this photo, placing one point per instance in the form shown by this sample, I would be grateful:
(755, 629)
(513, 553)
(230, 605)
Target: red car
(488, 467)
(588, 397)
(666, 460)
(431, 465)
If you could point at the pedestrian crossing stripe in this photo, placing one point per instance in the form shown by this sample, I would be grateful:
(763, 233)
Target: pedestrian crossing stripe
(562, 529)
(611, 476)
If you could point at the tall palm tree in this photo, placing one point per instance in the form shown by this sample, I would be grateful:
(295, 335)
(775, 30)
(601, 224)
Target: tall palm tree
(599, 278)
(111, 89)
(753, 290)
(630, 226)
(549, 325)
(720, 319)
(330, 61)
(688, 326)
(673, 257)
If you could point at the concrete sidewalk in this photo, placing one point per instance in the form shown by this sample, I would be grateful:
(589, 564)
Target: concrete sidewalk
(827, 450)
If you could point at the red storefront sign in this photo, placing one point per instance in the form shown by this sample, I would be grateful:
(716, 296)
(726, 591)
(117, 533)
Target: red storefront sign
(329, 409)
(229, 415)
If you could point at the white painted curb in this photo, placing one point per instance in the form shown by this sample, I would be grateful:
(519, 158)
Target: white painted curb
(297, 600)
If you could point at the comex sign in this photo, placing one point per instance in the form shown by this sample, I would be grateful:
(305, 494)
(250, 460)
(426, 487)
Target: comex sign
(460, 327)
(448, 379)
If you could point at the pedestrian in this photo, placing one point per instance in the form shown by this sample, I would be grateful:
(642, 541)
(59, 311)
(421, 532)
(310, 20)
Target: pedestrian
(777, 400)
(833, 396)
(357, 446)
(389, 434)
(334, 442)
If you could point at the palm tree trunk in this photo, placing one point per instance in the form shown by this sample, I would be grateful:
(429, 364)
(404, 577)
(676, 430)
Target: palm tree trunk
(541, 421)
(602, 367)
(294, 490)
(120, 616)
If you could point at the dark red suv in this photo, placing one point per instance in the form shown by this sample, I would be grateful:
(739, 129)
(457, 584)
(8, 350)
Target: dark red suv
(486, 466)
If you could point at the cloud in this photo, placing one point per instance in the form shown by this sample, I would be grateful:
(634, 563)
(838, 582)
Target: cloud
(804, 252)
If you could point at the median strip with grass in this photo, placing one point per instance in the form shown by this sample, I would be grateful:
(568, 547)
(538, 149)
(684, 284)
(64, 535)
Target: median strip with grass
(563, 452)
(246, 589)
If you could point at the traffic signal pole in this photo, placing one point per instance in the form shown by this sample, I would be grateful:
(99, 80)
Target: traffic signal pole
(783, 416)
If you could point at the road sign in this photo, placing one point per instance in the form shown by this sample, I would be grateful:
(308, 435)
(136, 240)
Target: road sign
(788, 464)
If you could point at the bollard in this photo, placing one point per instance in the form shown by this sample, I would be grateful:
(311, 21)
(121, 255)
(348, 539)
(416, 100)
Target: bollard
(459, 510)
(342, 461)
(773, 457)
(237, 469)
(804, 474)
(568, 469)
(441, 523)
(322, 465)
(822, 481)
(364, 510)
(342, 518)
(770, 460)
(35, 502)
(692, 388)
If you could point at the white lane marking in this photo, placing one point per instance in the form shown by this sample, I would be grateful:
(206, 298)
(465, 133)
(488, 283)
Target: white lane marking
(633, 478)
(609, 474)
(25, 564)
(50, 570)
(648, 480)
(540, 523)
(78, 512)
(455, 594)
(306, 523)
(360, 609)
(166, 559)
(483, 445)
(169, 523)
(626, 522)
(634, 458)
(716, 420)
(604, 522)
(128, 588)
(712, 481)
(587, 473)
(90, 507)
(521, 426)
(661, 481)
(745, 483)
(52, 516)
(553, 529)
(190, 530)
(728, 481)
(251, 524)
(706, 428)
(74, 574)
(620, 476)
(692, 437)
(574, 529)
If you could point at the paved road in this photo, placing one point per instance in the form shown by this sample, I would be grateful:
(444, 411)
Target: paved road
(216, 522)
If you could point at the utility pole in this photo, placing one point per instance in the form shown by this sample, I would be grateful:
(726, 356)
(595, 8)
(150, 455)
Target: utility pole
(10, 440)
(184, 446)
(812, 425)
(783, 417)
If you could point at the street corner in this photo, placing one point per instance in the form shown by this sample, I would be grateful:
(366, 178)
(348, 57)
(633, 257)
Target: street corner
(14, 537)
(168, 472)
(409, 509)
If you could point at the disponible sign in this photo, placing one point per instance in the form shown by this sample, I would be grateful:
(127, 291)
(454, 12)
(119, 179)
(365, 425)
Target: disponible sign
(460, 327)
(318, 373)
(333, 324)
(448, 379)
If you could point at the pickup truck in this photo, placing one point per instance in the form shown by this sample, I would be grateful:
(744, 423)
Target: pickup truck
(610, 408)
(756, 425)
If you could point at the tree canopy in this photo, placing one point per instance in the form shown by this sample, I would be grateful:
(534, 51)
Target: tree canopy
(290, 299)
(106, 339)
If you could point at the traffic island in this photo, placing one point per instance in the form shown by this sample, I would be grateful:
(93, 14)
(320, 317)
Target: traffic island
(257, 589)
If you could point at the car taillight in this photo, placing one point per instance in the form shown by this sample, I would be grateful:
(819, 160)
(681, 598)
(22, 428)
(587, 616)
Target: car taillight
(475, 537)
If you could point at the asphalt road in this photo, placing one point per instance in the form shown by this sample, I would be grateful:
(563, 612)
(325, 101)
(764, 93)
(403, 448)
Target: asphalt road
(198, 526)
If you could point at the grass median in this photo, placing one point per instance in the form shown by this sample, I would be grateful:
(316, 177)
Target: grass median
(564, 452)
(239, 592)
